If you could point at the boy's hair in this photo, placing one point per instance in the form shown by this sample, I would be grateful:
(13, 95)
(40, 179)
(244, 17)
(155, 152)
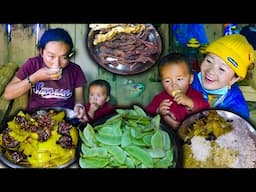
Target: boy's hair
(57, 34)
(102, 83)
(173, 58)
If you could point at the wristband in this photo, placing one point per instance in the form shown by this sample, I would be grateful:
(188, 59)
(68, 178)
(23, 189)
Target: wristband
(30, 82)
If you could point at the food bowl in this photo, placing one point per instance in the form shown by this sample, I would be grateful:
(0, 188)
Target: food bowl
(41, 139)
(217, 139)
(129, 139)
(124, 49)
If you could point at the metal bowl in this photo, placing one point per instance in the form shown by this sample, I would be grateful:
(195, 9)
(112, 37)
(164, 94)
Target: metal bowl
(121, 59)
(68, 117)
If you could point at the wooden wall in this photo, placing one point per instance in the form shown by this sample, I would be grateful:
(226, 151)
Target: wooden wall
(23, 45)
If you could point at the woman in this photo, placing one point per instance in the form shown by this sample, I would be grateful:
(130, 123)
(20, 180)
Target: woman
(51, 79)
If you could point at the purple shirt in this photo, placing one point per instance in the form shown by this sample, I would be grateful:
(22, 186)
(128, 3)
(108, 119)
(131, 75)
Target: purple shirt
(59, 93)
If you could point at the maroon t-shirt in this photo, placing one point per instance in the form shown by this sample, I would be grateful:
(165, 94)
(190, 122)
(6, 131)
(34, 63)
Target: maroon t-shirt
(53, 93)
(178, 110)
(106, 109)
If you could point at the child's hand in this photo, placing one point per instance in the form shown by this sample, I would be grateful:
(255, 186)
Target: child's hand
(93, 107)
(183, 99)
(164, 107)
(169, 120)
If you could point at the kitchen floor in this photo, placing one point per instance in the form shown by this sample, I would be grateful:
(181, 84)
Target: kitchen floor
(252, 108)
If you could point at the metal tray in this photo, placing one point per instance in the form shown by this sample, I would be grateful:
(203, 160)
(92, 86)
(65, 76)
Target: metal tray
(119, 67)
(227, 115)
(69, 115)
(244, 128)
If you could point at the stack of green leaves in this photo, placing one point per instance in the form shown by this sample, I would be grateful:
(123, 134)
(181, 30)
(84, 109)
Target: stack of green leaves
(129, 139)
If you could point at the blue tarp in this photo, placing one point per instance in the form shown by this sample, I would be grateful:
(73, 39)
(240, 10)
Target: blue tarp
(184, 32)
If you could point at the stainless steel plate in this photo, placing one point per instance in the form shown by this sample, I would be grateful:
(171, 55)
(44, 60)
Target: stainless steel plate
(242, 138)
(69, 114)
(126, 53)
(227, 115)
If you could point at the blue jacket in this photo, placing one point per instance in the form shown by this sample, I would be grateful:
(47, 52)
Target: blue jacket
(234, 100)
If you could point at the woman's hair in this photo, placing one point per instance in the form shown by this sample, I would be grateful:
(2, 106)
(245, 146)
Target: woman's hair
(57, 34)
(174, 58)
(101, 83)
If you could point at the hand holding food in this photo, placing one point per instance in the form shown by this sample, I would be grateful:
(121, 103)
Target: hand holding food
(56, 72)
(175, 92)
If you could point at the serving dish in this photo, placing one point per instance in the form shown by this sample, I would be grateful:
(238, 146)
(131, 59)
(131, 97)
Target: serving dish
(218, 139)
(124, 49)
(41, 139)
(129, 139)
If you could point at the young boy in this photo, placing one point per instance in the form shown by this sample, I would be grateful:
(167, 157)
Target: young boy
(98, 105)
(178, 99)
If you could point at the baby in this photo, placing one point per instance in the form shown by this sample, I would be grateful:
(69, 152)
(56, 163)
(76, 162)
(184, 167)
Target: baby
(178, 99)
(98, 105)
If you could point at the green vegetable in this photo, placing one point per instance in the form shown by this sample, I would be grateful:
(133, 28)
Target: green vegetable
(130, 139)
(140, 154)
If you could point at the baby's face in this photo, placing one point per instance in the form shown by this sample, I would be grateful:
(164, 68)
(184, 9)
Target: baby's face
(216, 73)
(98, 95)
(175, 77)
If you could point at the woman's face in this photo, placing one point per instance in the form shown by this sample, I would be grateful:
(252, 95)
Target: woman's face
(216, 73)
(98, 95)
(175, 76)
(55, 54)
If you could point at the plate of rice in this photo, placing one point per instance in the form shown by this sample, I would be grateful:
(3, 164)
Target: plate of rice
(218, 139)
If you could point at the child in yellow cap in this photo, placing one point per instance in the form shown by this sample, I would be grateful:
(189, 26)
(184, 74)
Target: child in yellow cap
(226, 63)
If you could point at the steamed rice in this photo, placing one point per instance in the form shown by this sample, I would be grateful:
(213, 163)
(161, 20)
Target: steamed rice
(200, 148)
(240, 140)
(235, 149)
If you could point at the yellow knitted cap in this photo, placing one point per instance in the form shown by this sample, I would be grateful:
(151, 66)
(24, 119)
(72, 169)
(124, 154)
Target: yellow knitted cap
(235, 50)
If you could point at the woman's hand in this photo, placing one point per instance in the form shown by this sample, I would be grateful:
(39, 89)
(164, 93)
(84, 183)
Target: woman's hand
(80, 113)
(46, 73)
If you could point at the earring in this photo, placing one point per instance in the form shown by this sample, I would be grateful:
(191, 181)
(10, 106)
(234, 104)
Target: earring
(229, 86)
